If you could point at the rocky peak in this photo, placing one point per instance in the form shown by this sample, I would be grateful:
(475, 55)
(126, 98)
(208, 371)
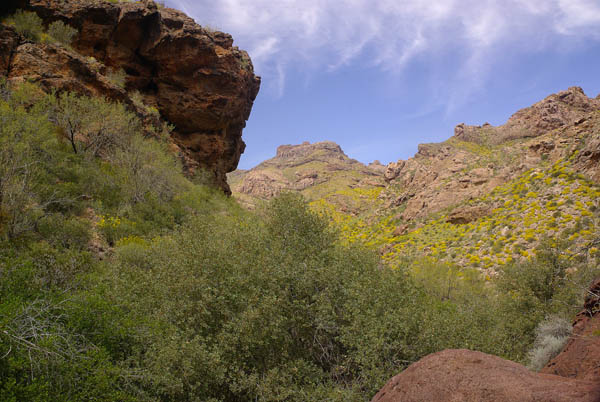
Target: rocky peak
(193, 76)
(479, 158)
(306, 168)
(327, 148)
(555, 111)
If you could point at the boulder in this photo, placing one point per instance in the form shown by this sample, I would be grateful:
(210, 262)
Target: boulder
(580, 357)
(468, 376)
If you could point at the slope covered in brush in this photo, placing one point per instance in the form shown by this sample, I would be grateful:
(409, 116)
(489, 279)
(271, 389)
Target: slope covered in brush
(484, 198)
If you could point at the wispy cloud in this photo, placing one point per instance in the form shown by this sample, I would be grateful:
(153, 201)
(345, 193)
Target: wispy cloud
(390, 34)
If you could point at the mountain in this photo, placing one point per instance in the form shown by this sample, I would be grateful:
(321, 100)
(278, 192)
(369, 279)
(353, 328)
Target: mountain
(154, 59)
(316, 170)
(484, 198)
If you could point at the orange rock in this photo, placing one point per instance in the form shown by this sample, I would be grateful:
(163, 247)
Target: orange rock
(468, 376)
(581, 356)
(195, 77)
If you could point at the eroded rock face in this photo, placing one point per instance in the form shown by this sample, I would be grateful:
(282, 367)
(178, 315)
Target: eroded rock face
(468, 376)
(304, 168)
(195, 77)
(9, 40)
(555, 111)
(477, 159)
(581, 356)
(463, 215)
(588, 159)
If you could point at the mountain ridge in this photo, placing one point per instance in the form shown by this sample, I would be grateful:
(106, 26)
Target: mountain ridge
(543, 162)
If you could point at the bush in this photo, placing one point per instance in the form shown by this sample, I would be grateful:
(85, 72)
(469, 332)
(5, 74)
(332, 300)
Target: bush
(61, 32)
(147, 169)
(63, 232)
(93, 126)
(117, 77)
(551, 336)
(270, 310)
(27, 24)
(23, 139)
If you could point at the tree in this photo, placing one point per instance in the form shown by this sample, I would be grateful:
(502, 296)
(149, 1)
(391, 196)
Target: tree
(94, 126)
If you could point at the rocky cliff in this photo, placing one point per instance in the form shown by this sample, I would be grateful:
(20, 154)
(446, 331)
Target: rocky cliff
(196, 79)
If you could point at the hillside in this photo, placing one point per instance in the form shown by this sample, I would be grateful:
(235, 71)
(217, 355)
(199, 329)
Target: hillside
(484, 198)
(316, 171)
(155, 59)
(128, 274)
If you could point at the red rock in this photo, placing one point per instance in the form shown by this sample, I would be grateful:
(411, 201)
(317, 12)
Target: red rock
(195, 77)
(581, 356)
(468, 376)
(9, 41)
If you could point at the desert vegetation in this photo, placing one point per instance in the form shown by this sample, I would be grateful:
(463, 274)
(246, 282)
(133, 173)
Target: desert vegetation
(31, 26)
(124, 280)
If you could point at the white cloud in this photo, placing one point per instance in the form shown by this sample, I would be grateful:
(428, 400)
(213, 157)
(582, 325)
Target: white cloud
(390, 34)
(578, 15)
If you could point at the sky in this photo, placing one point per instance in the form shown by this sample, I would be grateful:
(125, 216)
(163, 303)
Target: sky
(380, 77)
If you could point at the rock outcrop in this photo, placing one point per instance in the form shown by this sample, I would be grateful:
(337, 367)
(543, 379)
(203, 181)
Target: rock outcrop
(580, 357)
(468, 376)
(465, 375)
(588, 159)
(195, 77)
(311, 169)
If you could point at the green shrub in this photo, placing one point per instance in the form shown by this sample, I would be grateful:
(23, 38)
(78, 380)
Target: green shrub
(280, 303)
(23, 139)
(551, 336)
(28, 24)
(63, 232)
(93, 126)
(161, 178)
(61, 32)
(117, 77)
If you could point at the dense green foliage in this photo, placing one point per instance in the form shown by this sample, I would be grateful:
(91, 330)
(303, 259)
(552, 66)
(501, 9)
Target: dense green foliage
(122, 280)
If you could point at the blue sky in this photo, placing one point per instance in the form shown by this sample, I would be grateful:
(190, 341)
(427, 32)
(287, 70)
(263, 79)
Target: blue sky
(380, 77)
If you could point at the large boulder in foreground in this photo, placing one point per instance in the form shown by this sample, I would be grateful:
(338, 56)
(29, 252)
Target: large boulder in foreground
(468, 376)
(581, 356)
